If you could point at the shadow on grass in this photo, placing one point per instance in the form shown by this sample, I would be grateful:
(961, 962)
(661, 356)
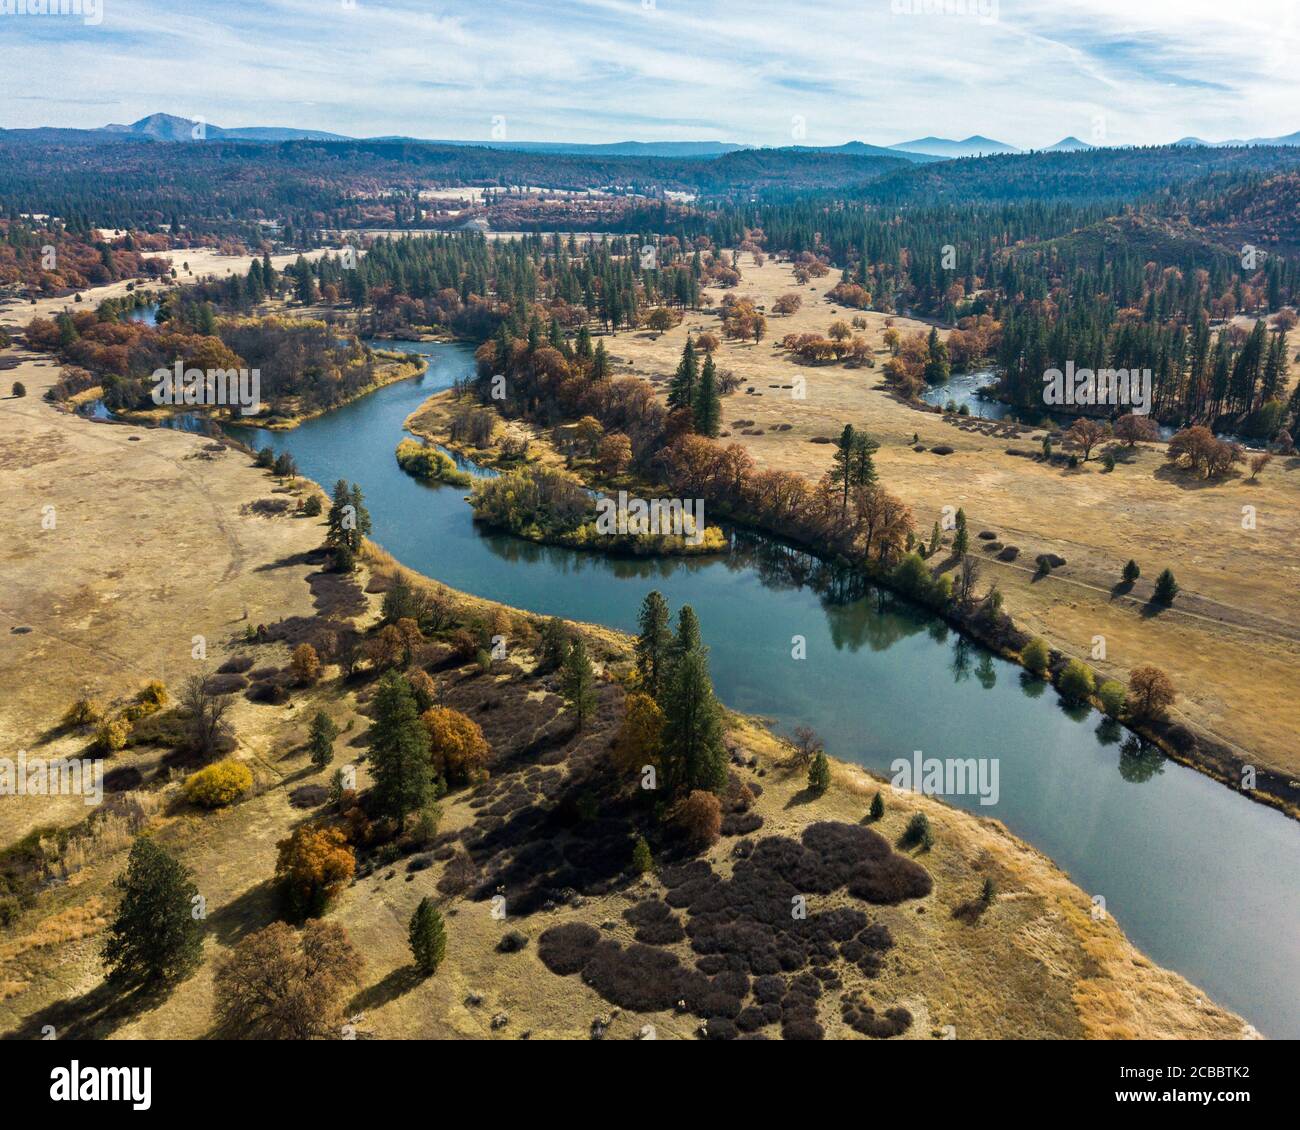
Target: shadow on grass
(95, 1015)
(397, 984)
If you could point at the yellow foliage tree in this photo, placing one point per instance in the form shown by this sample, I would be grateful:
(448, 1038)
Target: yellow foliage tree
(638, 741)
(314, 865)
(457, 747)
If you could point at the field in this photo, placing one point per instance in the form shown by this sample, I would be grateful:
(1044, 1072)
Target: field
(1231, 642)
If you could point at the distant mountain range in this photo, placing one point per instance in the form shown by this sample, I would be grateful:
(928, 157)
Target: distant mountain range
(169, 127)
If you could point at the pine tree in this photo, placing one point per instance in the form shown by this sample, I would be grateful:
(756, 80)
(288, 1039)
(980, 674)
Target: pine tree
(653, 644)
(600, 362)
(154, 935)
(1166, 587)
(961, 538)
(321, 741)
(681, 391)
(399, 749)
(694, 756)
(937, 368)
(877, 806)
(688, 632)
(554, 645)
(708, 403)
(578, 682)
(841, 472)
(427, 936)
(1132, 571)
(819, 774)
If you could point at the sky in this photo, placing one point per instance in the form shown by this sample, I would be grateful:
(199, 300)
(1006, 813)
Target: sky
(755, 72)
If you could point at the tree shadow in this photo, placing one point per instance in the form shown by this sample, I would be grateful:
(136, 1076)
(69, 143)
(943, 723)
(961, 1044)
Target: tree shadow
(804, 796)
(96, 1014)
(257, 907)
(397, 984)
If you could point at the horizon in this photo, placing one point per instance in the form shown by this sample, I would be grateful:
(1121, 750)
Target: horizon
(829, 73)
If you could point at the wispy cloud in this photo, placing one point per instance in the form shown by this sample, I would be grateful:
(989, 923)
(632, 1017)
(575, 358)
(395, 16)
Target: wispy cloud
(605, 70)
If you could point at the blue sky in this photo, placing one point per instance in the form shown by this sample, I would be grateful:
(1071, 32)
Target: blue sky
(752, 71)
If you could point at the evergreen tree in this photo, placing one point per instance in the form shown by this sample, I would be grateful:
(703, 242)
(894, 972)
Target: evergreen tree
(554, 645)
(427, 936)
(681, 390)
(694, 756)
(819, 773)
(1166, 587)
(688, 632)
(154, 935)
(600, 362)
(399, 749)
(1132, 571)
(642, 860)
(877, 806)
(578, 682)
(653, 644)
(708, 403)
(321, 740)
(961, 538)
(841, 473)
(937, 368)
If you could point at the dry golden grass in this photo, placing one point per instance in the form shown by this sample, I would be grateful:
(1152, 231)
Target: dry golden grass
(1232, 641)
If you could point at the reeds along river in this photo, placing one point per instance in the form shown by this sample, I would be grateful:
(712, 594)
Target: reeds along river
(1203, 880)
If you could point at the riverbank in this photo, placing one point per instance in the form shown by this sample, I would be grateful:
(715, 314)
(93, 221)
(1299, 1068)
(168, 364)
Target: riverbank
(1230, 643)
(1196, 748)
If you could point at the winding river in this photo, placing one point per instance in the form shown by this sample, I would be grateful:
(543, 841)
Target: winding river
(1203, 880)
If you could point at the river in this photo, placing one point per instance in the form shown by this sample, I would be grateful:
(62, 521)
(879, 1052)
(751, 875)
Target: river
(1201, 879)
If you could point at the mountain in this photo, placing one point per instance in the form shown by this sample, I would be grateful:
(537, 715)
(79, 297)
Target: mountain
(168, 127)
(862, 149)
(1069, 144)
(974, 146)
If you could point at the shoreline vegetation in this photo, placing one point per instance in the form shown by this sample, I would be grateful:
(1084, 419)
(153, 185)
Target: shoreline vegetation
(424, 461)
(989, 895)
(984, 623)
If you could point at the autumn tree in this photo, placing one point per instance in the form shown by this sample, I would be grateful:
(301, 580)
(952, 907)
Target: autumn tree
(698, 816)
(614, 455)
(1151, 693)
(1086, 434)
(304, 664)
(640, 736)
(458, 751)
(154, 935)
(283, 984)
(313, 865)
(1132, 429)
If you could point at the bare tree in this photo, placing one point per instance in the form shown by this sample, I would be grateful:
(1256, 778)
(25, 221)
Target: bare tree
(970, 573)
(806, 745)
(205, 715)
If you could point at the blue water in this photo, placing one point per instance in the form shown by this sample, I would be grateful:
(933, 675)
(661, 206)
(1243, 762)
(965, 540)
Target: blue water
(1200, 878)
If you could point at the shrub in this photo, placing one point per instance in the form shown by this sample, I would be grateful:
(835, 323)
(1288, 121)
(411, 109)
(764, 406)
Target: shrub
(218, 785)
(312, 507)
(917, 831)
(1112, 696)
(698, 817)
(20, 389)
(1076, 681)
(1036, 655)
(111, 735)
(877, 806)
(83, 712)
(457, 747)
(1166, 587)
(642, 860)
(425, 830)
